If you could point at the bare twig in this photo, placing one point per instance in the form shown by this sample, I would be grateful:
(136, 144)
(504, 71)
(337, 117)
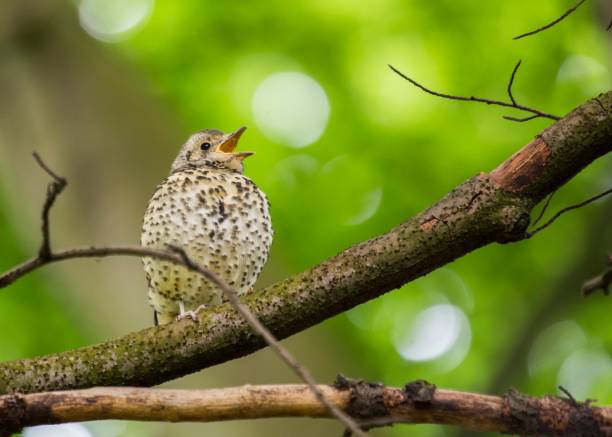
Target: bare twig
(564, 210)
(512, 413)
(552, 23)
(520, 119)
(512, 104)
(511, 81)
(54, 189)
(567, 393)
(543, 210)
(177, 256)
(600, 282)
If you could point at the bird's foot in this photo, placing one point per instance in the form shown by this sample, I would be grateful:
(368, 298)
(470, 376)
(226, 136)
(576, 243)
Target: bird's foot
(192, 314)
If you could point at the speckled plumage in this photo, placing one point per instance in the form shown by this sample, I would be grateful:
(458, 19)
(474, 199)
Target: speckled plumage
(217, 215)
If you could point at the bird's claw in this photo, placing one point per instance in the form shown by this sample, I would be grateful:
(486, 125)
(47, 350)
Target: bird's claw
(192, 314)
(187, 314)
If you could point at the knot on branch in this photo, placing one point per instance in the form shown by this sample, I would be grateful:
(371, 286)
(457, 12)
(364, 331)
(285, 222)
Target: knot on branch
(12, 412)
(550, 415)
(521, 412)
(366, 401)
(420, 392)
(515, 221)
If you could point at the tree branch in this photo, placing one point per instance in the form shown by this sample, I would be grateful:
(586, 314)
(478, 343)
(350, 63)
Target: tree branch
(180, 257)
(600, 282)
(562, 211)
(490, 207)
(512, 104)
(552, 23)
(511, 82)
(54, 189)
(369, 404)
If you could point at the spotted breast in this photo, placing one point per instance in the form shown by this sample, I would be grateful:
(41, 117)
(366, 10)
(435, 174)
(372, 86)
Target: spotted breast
(217, 215)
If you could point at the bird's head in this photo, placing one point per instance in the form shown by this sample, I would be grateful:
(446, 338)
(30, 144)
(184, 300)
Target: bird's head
(212, 148)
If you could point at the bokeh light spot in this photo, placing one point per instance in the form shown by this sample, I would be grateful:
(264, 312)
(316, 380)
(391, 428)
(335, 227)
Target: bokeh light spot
(291, 108)
(587, 373)
(113, 20)
(386, 99)
(434, 332)
(353, 200)
(448, 286)
(250, 70)
(553, 345)
(63, 430)
(370, 203)
(586, 73)
(293, 169)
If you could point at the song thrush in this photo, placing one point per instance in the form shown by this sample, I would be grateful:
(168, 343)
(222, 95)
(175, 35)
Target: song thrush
(217, 215)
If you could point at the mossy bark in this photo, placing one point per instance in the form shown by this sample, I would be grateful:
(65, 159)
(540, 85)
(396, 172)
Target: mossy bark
(490, 207)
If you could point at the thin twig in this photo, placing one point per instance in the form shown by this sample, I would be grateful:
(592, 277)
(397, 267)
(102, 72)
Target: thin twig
(609, 26)
(567, 393)
(552, 23)
(544, 208)
(176, 256)
(54, 189)
(520, 119)
(32, 264)
(516, 67)
(566, 209)
(536, 112)
(600, 282)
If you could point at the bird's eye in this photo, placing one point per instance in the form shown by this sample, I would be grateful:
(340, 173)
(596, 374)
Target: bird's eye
(205, 146)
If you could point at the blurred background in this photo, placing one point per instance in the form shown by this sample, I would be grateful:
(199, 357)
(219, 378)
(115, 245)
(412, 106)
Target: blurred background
(107, 90)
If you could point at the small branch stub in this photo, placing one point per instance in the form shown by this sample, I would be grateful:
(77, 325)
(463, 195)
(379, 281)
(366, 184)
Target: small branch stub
(600, 282)
(366, 398)
(420, 391)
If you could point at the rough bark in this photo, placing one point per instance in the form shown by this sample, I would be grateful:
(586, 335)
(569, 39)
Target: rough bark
(369, 404)
(490, 207)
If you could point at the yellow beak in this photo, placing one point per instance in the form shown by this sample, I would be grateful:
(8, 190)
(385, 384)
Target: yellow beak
(230, 142)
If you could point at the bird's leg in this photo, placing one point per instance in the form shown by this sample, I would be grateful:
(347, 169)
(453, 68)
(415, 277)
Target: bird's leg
(192, 314)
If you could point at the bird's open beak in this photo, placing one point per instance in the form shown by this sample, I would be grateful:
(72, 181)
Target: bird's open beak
(230, 142)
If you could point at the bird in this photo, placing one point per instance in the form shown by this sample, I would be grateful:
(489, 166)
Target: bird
(218, 216)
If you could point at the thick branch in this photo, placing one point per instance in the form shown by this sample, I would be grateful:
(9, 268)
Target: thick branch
(369, 404)
(490, 207)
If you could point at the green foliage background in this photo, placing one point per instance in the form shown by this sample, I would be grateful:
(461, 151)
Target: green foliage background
(202, 61)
